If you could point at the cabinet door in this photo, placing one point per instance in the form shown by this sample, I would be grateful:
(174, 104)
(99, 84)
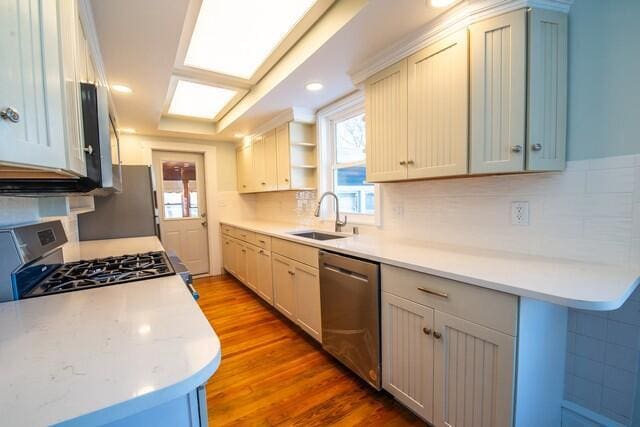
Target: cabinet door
(244, 161)
(252, 267)
(257, 174)
(407, 353)
(270, 161)
(265, 282)
(284, 291)
(283, 157)
(241, 261)
(547, 108)
(498, 95)
(473, 373)
(386, 112)
(228, 255)
(25, 26)
(307, 286)
(438, 108)
(71, 41)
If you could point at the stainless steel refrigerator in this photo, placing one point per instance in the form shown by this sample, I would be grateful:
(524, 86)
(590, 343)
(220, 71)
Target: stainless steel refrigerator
(133, 212)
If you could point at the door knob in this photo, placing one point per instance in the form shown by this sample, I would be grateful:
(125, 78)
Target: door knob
(536, 147)
(10, 114)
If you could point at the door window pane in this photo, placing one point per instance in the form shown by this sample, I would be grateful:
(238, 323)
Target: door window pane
(350, 140)
(180, 191)
(355, 195)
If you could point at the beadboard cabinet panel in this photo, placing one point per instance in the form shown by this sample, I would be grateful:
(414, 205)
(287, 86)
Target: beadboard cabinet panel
(547, 91)
(307, 284)
(265, 280)
(270, 162)
(284, 288)
(498, 93)
(244, 161)
(283, 157)
(386, 124)
(407, 353)
(473, 374)
(438, 108)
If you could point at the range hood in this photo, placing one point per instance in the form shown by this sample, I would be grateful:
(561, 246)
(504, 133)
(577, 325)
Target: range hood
(102, 157)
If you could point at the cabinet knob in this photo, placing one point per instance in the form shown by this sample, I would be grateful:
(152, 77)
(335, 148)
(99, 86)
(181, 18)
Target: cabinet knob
(427, 331)
(402, 163)
(10, 114)
(88, 150)
(437, 335)
(516, 148)
(536, 147)
(263, 183)
(293, 273)
(410, 162)
(286, 180)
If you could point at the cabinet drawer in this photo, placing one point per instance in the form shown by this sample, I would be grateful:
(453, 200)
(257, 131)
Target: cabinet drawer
(486, 307)
(301, 253)
(227, 230)
(244, 235)
(263, 241)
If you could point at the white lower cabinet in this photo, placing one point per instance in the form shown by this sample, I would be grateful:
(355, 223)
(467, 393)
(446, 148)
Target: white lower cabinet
(265, 280)
(284, 287)
(241, 261)
(228, 255)
(448, 370)
(251, 254)
(407, 353)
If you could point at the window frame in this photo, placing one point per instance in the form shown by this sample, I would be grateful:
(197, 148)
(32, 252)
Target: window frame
(344, 109)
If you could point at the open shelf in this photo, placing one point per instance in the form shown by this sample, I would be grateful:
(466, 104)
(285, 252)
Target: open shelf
(304, 144)
(304, 166)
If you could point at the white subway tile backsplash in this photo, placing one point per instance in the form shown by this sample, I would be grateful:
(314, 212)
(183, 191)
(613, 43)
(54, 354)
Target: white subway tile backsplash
(612, 229)
(623, 334)
(622, 357)
(608, 204)
(611, 180)
(591, 348)
(612, 162)
(617, 402)
(628, 313)
(590, 325)
(619, 380)
(588, 369)
(587, 393)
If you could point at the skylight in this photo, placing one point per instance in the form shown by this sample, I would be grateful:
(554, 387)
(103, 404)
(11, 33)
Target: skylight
(235, 37)
(198, 100)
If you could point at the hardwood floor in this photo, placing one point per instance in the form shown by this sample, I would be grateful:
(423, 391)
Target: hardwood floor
(272, 373)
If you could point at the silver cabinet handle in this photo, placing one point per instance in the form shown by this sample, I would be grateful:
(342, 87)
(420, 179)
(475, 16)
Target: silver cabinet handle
(436, 293)
(10, 114)
(516, 148)
(536, 147)
(88, 150)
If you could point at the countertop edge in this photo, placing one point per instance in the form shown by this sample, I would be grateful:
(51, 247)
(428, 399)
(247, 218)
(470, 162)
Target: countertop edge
(149, 400)
(607, 305)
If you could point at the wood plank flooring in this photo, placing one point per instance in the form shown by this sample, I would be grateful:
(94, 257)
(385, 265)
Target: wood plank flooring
(273, 374)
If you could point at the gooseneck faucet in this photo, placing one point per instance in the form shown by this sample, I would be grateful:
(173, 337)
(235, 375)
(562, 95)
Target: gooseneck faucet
(339, 224)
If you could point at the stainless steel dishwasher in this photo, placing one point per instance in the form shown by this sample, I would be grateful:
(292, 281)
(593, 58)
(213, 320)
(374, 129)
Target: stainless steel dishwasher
(350, 305)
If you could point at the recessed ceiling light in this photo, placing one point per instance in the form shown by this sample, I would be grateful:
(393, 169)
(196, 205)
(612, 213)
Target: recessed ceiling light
(126, 130)
(219, 44)
(441, 3)
(238, 135)
(314, 87)
(121, 88)
(198, 100)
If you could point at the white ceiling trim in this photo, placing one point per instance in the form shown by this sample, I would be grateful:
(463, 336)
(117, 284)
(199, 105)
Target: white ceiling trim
(294, 114)
(460, 16)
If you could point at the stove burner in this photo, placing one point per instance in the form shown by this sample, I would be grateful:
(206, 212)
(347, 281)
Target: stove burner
(86, 274)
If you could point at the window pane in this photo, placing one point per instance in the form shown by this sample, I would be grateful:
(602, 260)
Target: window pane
(350, 140)
(180, 191)
(355, 195)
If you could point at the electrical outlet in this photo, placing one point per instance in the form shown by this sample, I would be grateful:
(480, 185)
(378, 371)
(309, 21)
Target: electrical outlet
(519, 213)
(398, 210)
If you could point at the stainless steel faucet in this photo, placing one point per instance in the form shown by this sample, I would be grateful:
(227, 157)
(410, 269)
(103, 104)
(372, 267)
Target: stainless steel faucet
(339, 224)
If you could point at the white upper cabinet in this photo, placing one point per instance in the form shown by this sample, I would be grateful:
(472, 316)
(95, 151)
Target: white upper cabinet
(547, 110)
(283, 169)
(244, 162)
(498, 93)
(40, 52)
(386, 124)
(438, 96)
(24, 133)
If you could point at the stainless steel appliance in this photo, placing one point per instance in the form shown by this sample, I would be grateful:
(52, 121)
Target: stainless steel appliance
(102, 154)
(32, 264)
(350, 305)
(134, 209)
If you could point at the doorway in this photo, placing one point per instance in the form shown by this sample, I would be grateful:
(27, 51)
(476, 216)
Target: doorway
(182, 207)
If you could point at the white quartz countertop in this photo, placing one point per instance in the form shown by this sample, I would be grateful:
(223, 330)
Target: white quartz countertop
(93, 356)
(583, 285)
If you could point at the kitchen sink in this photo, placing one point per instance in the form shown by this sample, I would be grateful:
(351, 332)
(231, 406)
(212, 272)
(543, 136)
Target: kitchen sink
(317, 235)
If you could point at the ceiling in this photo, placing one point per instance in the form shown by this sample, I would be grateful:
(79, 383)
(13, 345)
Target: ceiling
(139, 50)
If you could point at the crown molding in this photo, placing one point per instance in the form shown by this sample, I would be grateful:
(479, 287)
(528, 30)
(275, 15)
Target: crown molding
(294, 114)
(458, 17)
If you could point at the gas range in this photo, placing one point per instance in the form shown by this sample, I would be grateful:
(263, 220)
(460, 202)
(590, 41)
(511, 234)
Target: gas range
(32, 265)
(94, 273)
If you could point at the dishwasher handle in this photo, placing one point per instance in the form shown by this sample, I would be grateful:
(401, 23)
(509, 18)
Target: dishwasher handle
(345, 272)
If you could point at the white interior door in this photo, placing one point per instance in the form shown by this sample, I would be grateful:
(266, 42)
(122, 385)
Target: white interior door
(182, 206)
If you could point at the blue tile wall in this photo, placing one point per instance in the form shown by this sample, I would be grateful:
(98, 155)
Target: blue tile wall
(603, 354)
